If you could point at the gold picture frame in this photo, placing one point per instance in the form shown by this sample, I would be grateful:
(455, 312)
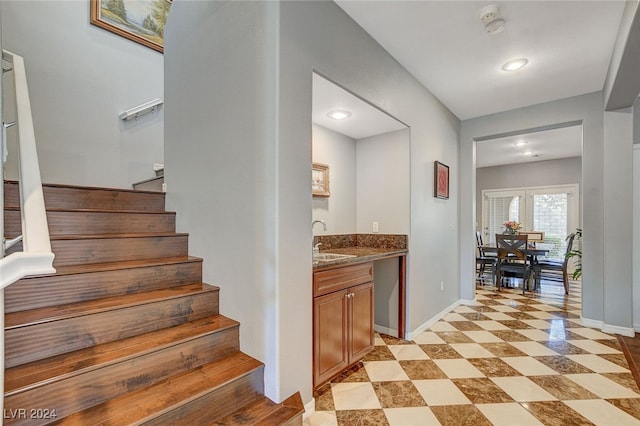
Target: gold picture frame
(320, 180)
(141, 21)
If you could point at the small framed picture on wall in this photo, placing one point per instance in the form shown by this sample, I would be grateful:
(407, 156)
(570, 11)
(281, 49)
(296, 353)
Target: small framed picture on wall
(440, 180)
(320, 180)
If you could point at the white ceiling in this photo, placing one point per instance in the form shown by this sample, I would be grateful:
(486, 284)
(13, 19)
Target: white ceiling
(539, 146)
(445, 46)
(365, 120)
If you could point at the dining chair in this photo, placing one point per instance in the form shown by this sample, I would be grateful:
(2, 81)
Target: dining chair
(483, 259)
(513, 258)
(556, 265)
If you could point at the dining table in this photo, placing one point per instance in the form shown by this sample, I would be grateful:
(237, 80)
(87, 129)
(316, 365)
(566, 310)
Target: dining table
(533, 250)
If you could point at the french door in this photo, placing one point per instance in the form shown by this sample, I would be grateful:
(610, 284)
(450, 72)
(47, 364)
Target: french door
(551, 209)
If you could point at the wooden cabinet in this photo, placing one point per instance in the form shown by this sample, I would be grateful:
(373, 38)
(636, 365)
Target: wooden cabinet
(342, 319)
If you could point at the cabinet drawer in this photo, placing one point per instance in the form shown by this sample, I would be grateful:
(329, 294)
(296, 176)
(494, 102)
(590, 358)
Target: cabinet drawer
(325, 282)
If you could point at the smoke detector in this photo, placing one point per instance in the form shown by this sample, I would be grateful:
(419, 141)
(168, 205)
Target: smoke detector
(491, 18)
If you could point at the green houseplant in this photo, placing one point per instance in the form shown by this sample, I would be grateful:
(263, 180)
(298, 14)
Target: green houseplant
(576, 251)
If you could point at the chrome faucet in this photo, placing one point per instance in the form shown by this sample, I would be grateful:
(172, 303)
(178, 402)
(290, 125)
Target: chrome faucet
(316, 248)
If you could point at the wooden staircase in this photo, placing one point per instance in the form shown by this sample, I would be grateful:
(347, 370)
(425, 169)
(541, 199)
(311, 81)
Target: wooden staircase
(125, 332)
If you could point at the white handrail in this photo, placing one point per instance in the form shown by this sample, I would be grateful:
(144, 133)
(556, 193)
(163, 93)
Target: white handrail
(36, 257)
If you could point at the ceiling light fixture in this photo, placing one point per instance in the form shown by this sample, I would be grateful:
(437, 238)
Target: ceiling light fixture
(521, 143)
(490, 17)
(515, 64)
(339, 114)
(528, 153)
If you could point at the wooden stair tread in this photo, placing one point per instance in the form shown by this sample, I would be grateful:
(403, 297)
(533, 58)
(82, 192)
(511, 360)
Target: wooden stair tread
(116, 236)
(144, 404)
(86, 210)
(23, 377)
(113, 266)
(85, 187)
(56, 313)
(265, 412)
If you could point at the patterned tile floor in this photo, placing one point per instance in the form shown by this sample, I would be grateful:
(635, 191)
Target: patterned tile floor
(507, 360)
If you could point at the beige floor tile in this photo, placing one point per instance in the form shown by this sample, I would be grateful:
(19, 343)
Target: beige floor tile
(378, 341)
(354, 396)
(539, 324)
(542, 315)
(464, 308)
(533, 348)
(483, 337)
(590, 333)
(505, 308)
(602, 413)
(472, 350)
(601, 386)
(458, 368)
(491, 325)
(597, 364)
(522, 389)
(321, 418)
(545, 307)
(594, 347)
(442, 326)
(498, 316)
(411, 416)
(535, 334)
(407, 352)
(529, 366)
(385, 371)
(453, 316)
(440, 392)
(429, 338)
(509, 414)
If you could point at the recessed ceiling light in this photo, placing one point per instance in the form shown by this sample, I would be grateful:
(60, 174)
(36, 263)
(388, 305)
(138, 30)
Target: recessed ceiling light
(514, 64)
(339, 114)
(528, 153)
(521, 143)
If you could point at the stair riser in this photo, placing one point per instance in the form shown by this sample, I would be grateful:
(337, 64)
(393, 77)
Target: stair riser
(89, 223)
(64, 197)
(34, 342)
(86, 390)
(55, 290)
(216, 404)
(100, 250)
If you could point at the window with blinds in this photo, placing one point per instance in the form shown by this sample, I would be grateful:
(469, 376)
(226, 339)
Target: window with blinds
(553, 210)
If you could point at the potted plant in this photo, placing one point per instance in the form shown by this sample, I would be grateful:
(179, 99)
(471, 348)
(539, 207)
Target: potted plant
(576, 252)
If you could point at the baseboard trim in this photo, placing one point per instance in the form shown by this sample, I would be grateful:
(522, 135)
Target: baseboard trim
(608, 328)
(385, 330)
(415, 333)
(309, 409)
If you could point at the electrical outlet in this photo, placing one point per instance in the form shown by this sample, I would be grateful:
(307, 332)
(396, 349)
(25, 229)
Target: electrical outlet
(441, 285)
(375, 227)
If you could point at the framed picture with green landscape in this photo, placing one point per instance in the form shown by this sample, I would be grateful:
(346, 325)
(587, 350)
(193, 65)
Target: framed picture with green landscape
(142, 21)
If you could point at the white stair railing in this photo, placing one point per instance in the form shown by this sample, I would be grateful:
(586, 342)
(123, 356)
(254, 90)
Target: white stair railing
(36, 256)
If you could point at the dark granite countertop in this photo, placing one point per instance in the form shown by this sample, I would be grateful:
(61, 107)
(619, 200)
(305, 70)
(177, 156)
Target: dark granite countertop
(365, 248)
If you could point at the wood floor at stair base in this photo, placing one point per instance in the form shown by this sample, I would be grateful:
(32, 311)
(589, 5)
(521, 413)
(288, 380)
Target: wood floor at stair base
(221, 389)
(82, 391)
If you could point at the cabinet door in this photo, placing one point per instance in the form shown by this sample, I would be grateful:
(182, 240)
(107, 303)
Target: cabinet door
(361, 340)
(330, 325)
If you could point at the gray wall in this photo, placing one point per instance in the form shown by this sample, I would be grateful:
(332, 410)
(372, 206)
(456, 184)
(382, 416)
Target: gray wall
(339, 153)
(238, 164)
(602, 304)
(383, 183)
(539, 173)
(81, 78)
